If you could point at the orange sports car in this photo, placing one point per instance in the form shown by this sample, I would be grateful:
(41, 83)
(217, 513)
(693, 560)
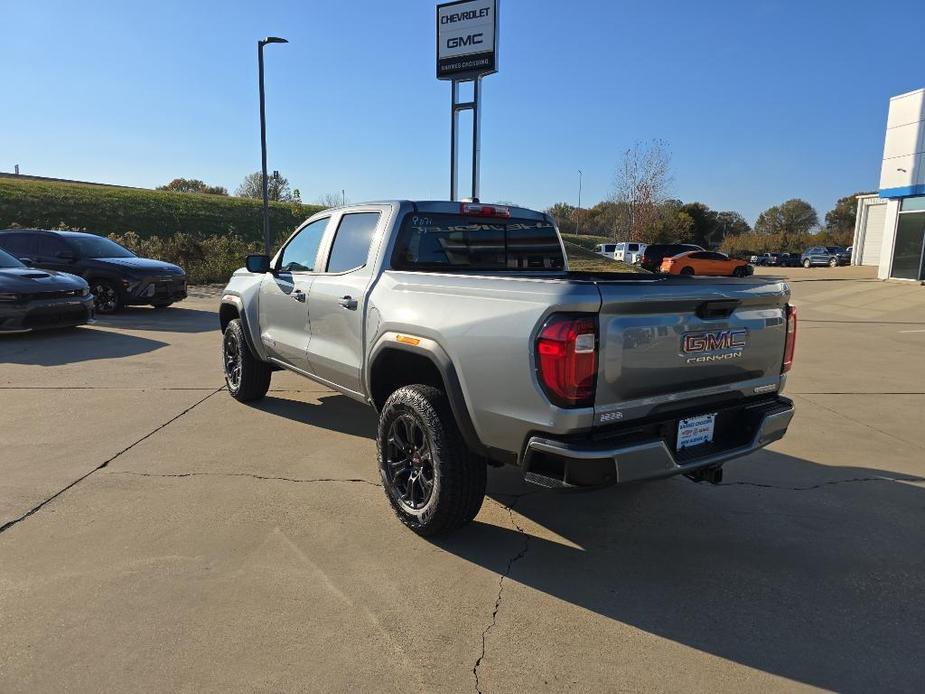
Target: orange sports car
(705, 263)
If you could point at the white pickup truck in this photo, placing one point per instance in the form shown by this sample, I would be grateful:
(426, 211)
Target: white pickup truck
(461, 324)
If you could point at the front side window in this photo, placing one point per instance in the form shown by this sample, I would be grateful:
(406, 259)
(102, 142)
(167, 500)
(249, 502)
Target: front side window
(50, 246)
(351, 242)
(99, 247)
(299, 254)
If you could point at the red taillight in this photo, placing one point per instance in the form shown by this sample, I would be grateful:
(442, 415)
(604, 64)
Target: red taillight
(566, 356)
(474, 209)
(791, 342)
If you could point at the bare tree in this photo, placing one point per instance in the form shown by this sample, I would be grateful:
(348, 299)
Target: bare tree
(642, 183)
(331, 199)
(277, 187)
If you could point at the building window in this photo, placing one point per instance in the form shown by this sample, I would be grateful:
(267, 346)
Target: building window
(910, 244)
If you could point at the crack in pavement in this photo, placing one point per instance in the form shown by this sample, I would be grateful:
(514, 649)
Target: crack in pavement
(9, 524)
(245, 474)
(507, 572)
(828, 483)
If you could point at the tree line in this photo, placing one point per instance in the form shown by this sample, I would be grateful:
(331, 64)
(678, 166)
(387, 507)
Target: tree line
(640, 209)
(278, 189)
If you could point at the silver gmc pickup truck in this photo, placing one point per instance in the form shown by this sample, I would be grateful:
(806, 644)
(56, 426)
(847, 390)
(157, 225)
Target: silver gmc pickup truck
(461, 324)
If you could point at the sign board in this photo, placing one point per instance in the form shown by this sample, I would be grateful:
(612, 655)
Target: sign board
(467, 39)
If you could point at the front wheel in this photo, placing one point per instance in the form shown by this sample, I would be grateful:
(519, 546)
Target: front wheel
(246, 377)
(833, 262)
(807, 264)
(161, 304)
(739, 272)
(432, 481)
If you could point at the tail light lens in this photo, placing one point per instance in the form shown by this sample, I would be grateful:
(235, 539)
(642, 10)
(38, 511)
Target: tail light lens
(791, 342)
(566, 357)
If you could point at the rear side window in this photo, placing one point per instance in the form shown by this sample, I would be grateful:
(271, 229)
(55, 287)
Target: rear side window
(632, 247)
(458, 242)
(18, 245)
(351, 242)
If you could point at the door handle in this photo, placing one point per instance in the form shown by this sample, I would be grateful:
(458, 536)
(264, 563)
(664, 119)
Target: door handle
(298, 295)
(348, 302)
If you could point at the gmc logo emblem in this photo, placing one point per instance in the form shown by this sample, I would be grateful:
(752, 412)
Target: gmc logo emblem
(714, 341)
(470, 40)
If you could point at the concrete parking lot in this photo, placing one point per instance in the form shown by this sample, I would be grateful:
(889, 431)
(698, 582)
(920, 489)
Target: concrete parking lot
(155, 535)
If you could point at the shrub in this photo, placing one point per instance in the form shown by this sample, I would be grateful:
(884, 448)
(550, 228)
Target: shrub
(110, 210)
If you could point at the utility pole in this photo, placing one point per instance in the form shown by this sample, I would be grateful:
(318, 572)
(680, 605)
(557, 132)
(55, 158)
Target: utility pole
(578, 219)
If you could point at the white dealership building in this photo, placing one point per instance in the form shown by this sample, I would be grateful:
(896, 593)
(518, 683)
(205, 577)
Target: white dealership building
(890, 228)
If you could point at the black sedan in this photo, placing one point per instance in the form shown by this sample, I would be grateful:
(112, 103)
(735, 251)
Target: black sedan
(31, 299)
(117, 276)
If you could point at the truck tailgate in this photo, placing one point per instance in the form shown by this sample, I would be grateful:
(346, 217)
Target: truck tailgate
(672, 341)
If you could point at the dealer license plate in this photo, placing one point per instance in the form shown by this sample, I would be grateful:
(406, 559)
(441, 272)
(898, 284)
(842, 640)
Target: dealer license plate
(694, 431)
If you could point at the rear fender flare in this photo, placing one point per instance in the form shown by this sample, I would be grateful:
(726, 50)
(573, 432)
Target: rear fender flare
(432, 351)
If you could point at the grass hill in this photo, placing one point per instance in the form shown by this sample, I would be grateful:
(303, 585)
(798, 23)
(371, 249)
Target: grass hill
(114, 210)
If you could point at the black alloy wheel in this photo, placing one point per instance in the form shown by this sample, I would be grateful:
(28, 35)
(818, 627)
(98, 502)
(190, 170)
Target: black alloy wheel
(231, 353)
(687, 270)
(105, 296)
(409, 462)
(246, 376)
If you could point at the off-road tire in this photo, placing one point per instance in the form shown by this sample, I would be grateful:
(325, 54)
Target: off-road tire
(687, 271)
(253, 379)
(459, 476)
(807, 264)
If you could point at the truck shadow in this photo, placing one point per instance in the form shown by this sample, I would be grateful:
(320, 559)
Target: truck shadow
(806, 571)
(334, 412)
(817, 576)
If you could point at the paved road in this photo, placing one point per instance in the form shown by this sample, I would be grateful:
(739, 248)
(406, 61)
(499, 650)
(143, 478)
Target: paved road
(158, 536)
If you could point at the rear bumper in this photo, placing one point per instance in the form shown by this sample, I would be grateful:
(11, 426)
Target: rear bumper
(553, 462)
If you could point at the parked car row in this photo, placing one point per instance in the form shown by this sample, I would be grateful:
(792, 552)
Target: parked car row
(628, 252)
(60, 278)
(832, 256)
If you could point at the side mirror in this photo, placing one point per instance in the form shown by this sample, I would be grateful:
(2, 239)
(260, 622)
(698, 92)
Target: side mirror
(258, 264)
(66, 255)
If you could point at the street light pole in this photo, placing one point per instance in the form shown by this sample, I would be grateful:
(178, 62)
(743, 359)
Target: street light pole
(263, 140)
(578, 221)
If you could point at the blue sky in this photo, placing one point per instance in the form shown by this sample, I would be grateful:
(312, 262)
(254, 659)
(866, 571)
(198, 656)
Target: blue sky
(759, 101)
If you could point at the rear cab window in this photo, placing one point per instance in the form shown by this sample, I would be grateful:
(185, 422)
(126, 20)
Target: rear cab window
(456, 242)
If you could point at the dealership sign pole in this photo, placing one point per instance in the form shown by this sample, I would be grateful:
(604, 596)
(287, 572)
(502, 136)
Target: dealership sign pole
(467, 50)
